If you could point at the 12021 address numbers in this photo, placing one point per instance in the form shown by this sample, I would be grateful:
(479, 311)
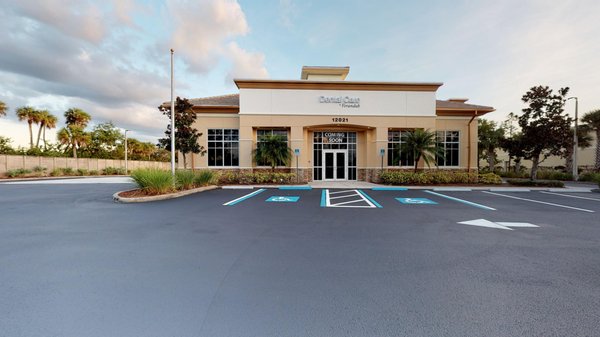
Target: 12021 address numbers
(340, 119)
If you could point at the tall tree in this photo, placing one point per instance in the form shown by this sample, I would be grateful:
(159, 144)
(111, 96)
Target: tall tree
(490, 138)
(74, 133)
(544, 125)
(510, 126)
(592, 119)
(273, 150)
(3, 109)
(186, 136)
(422, 144)
(513, 145)
(76, 116)
(105, 141)
(31, 115)
(49, 121)
(44, 118)
(73, 136)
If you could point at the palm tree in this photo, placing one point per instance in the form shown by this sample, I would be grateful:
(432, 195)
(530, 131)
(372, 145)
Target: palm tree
(73, 136)
(31, 115)
(273, 151)
(592, 119)
(49, 123)
(76, 116)
(3, 109)
(423, 144)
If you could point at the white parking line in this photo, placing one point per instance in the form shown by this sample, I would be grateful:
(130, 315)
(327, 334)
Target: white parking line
(540, 202)
(353, 193)
(570, 196)
(474, 204)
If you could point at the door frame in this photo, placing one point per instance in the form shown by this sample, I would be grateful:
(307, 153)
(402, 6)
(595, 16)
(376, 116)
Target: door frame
(335, 164)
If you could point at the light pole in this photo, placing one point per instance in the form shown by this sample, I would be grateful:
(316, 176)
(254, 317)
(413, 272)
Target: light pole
(575, 140)
(172, 121)
(126, 151)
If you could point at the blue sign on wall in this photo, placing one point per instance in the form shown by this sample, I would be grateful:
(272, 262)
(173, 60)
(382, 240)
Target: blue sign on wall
(282, 199)
(416, 201)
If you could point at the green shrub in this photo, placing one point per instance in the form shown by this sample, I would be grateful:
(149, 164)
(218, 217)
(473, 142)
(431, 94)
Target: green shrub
(57, 172)
(184, 179)
(247, 178)
(110, 171)
(153, 181)
(590, 176)
(81, 172)
(490, 179)
(93, 172)
(438, 177)
(67, 171)
(512, 174)
(39, 169)
(205, 177)
(535, 183)
(17, 173)
(554, 175)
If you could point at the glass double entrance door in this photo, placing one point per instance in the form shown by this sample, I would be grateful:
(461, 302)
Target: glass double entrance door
(335, 164)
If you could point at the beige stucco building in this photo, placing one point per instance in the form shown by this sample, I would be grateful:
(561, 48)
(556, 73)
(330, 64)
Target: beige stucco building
(337, 129)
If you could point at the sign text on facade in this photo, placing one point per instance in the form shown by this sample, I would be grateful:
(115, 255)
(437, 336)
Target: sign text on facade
(343, 101)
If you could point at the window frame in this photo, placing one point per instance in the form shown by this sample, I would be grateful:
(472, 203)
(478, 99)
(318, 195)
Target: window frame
(399, 142)
(445, 149)
(287, 140)
(223, 141)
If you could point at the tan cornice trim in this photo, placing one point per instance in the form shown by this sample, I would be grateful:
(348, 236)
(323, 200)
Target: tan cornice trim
(335, 85)
(216, 109)
(462, 112)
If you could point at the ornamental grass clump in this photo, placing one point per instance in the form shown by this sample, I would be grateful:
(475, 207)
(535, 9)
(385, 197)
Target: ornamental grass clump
(153, 181)
(204, 178)
(184, 179)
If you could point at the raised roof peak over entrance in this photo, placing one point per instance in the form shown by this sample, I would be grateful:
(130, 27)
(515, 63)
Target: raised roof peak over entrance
(324, 73)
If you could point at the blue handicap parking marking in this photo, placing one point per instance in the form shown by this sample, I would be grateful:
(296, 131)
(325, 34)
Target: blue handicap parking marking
(276, 198)
(417, 201)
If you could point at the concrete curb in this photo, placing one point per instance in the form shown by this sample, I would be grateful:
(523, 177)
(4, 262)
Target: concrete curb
(7, 180)
(117, 198)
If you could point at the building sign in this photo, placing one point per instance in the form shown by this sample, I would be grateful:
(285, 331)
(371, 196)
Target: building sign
(343, 101)
(333, 137)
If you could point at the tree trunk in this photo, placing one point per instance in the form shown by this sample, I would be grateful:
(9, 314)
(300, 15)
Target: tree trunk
(597, 165)
(184, 161)
(569, 160)
(74, 150)
(37, 143)
(490, 158)
(44, 138)
(30, 136)
(535, 161)
(417, 162)
(517, 165)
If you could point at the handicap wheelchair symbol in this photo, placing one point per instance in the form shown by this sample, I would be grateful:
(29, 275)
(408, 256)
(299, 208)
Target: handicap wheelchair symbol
(416, 201)
(282, 199)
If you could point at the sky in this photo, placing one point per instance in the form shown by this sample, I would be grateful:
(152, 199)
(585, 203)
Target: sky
(111, 57)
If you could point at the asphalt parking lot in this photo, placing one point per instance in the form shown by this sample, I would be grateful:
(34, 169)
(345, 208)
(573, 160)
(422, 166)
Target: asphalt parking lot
(336, 262)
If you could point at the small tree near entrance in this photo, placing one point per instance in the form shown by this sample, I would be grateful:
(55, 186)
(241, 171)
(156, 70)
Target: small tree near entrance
(186, 136)
(272, 150)
(544, 125)
(422, 144)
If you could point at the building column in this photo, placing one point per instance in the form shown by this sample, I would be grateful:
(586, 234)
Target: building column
(246, 147)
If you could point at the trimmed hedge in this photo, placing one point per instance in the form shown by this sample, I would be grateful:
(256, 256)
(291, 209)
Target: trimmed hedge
(438, 178)
(247, 178)
(535, 183)
(156, 181)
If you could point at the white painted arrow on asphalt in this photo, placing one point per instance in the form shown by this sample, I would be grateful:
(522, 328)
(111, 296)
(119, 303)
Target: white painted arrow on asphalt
(497, 225)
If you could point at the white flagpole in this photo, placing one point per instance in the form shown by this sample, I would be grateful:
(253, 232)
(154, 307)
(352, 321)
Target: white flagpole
(172, 121)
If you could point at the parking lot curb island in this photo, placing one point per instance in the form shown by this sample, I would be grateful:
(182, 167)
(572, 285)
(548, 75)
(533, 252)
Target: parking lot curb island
(120, 199)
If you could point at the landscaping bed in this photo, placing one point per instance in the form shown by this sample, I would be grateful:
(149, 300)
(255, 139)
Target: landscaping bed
(42, 172)
(439, 178)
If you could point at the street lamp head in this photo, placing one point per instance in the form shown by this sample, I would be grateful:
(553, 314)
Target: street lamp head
(573, 97)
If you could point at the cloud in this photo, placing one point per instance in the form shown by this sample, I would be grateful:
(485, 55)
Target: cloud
(246, 64)
(201, 29)
(287, 8)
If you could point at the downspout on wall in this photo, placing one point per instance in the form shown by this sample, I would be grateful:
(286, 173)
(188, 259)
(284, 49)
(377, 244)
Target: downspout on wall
(469, 142)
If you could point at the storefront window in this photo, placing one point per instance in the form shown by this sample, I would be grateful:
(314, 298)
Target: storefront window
(334, 141)
(449, 142)
(260, 134)
(395, 155)
(223, 147)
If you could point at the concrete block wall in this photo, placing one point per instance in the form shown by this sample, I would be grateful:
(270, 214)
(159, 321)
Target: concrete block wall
(10, 162)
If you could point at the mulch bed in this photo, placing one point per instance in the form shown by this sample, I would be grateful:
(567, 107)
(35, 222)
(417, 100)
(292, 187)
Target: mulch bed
(135, 194)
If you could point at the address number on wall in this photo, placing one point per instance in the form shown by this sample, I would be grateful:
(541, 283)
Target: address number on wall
(340, 119)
